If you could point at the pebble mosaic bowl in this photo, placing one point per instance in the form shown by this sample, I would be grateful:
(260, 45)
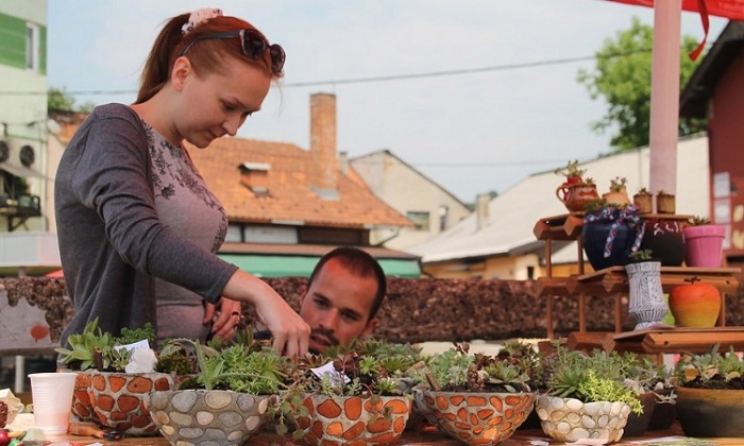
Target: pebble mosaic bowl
(118, 399)
(569, 420)
(209, 417)
(353, 420)
(479, 418)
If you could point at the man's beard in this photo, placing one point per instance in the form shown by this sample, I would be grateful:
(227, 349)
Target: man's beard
(323, 336)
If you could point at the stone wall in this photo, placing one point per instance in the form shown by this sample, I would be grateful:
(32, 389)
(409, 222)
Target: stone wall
(416, 310)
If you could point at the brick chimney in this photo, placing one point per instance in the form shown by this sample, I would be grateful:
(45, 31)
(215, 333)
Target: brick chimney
(482, 202)
(324, 178)
(255, 176)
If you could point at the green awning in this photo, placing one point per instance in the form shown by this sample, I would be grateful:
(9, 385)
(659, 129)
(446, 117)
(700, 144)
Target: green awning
(302, 266)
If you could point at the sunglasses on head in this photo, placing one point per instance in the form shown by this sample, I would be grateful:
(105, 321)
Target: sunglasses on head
(253, 44)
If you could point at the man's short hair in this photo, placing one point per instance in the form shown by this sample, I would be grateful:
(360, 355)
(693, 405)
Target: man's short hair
(360, 263)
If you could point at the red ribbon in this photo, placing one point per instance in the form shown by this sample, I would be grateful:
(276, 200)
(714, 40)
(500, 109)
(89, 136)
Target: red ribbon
(703, 10)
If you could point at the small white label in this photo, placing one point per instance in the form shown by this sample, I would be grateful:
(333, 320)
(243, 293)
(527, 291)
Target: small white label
(328, 369)
(134, 346)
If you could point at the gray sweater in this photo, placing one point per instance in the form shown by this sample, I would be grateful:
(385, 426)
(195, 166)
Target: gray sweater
(111, 241)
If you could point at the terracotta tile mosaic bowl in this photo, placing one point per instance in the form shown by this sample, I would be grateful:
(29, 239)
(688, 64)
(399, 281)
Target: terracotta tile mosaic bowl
(118, 399)
(209, 417)
(479, 418)
(353, 420)
(81, 406)
(569, 420)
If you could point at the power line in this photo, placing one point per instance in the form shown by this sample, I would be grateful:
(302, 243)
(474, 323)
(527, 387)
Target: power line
(363, 80)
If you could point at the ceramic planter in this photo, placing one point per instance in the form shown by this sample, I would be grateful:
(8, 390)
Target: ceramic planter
(704, 245)
(665, 239)
(646, 303)
(569, 420)
(666, 204)
(695, 305)
(644, 202)
(353, 420)
(637, 424)
(209, 417)
(118, 399)
(479, 418)
(610, 235)
(710, 412)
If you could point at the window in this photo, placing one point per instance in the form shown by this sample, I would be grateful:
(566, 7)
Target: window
(420, 219)
(32, 47)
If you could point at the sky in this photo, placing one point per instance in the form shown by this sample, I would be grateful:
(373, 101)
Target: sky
(509, 111)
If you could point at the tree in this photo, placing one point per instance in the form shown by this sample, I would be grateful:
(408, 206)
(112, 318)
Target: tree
(622, 77)
(59, 99)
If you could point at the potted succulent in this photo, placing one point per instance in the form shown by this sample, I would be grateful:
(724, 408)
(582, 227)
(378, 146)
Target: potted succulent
(644, 201)
(610, 233)
(231, 394)
(665, 203)
(618, 193)
(360, 394)
(704, 243)
(476, 399)
(710, 402)
(575, 192)
(116, 375)
(588, 396)
(646, 303)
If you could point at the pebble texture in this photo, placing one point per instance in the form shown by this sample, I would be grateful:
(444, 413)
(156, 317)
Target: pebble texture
(209, 417)
(353, 420)
(569, 420)
(479, 418)
(118, 399)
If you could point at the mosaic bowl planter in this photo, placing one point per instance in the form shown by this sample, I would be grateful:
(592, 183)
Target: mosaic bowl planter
(569, 420)
(479, 418)
(209, 417)
(118, 399)
(81, 405)
(353, 420)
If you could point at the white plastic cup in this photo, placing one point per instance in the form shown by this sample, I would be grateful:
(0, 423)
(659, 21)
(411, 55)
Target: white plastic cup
(51, 394)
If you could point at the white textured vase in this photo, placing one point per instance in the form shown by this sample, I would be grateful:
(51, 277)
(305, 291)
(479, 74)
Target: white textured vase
(646, 303)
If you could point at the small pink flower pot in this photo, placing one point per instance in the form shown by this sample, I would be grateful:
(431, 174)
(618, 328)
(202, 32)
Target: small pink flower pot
(704, 245)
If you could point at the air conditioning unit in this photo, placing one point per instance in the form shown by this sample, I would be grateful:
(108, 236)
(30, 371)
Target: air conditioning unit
(19, 157)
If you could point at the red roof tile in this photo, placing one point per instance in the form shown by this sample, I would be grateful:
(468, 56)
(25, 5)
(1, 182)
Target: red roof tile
(290, 195)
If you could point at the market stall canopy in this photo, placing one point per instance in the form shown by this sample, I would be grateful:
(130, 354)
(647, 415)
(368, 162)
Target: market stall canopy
(665, 89)
(298, 260)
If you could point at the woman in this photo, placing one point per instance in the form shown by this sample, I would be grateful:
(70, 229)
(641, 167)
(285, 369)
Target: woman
(137, 225)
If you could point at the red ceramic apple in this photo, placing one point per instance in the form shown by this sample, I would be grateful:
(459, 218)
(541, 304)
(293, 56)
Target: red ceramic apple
(695, 304)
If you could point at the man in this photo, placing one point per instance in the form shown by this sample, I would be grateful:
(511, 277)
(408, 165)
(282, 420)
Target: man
(343, 295)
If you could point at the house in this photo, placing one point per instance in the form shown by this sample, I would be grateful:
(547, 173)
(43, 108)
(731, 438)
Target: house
(716, 92)
(432, 208)
(497, 240)
(26, 244)
(287, 206)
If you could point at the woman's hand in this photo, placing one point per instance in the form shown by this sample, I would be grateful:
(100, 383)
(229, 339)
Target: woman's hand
(290, 332)
(225, 317)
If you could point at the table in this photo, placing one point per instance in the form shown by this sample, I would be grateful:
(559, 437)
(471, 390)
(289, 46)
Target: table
(428, 437)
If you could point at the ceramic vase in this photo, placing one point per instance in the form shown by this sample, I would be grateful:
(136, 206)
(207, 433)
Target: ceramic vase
(704, 245)
(353, 420)
(209, 417)
(479, 418)
(570, 420)
(118, 399)
(646, 303)
(576, 196)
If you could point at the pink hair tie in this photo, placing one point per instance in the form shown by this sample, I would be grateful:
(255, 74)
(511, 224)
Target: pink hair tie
(200, 16)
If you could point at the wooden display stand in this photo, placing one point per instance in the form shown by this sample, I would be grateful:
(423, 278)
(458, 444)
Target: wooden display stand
(614, 282)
